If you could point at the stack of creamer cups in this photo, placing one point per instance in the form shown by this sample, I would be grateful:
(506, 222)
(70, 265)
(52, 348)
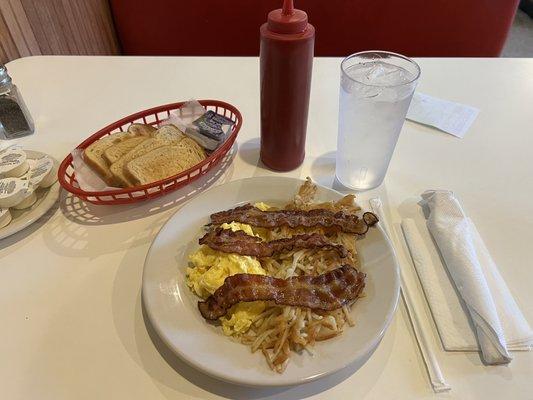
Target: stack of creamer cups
(20, 178)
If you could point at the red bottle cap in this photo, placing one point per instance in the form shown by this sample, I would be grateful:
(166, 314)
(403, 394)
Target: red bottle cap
(287, 19)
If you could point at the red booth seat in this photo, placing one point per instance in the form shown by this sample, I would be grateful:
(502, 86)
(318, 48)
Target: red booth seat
(426, 28)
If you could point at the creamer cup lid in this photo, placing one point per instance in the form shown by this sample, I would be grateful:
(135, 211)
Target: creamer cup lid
(11, 186)
(10, 159)
(39, 169)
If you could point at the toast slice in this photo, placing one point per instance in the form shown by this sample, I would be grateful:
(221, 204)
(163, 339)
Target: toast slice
(169, 132)
(113, 153)
(163, 162)
(162, 137)
(117, 168)
(193, 152)
(142, 129)
(94, 154)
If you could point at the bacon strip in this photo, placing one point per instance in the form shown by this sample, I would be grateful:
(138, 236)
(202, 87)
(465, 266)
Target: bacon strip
(241, 243)
(327, 292)
(248, 214)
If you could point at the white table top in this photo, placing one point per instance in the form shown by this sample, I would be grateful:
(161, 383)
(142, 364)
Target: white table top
(72, 325)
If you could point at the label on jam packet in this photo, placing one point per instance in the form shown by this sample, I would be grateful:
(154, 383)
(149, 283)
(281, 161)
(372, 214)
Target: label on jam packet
(213, 125)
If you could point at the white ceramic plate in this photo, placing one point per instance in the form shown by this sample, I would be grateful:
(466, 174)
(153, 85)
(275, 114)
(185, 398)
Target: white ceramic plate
(46, 198)
(172, 308)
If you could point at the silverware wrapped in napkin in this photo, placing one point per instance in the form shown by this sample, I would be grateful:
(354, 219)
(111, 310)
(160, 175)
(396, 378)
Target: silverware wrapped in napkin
(491, 307)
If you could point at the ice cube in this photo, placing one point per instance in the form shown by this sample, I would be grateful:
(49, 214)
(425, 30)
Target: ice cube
(367, 92)
(379, 73)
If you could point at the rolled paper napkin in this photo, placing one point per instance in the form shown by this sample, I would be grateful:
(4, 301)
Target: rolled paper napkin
(452, 321)
(489, 303)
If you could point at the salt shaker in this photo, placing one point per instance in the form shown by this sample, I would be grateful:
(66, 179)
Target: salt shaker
(15, 120)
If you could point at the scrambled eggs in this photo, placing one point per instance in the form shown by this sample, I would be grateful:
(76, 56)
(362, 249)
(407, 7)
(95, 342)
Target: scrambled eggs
(262, 206)
(212, 267)
(240, 317)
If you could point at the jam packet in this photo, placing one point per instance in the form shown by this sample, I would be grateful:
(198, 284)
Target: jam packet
(210, 130)
(207, 128)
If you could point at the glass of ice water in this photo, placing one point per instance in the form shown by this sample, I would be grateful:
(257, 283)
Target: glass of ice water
(376, 90)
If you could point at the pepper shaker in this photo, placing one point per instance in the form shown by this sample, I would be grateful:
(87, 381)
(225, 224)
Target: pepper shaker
(15, 119)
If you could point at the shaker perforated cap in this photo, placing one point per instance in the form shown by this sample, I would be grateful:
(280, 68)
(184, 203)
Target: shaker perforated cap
(287, 19)
(5, 79)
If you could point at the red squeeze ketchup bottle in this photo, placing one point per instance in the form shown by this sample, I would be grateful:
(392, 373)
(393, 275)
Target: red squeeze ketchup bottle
(286, 58)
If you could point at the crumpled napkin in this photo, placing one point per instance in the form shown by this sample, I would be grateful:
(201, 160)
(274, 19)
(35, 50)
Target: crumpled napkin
(489, 303)
(184, 116)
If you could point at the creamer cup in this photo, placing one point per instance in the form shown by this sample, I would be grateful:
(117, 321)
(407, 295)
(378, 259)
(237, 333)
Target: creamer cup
(13, 191)
(42, 172)
(28, 201)
(13, 163)
(5, 217)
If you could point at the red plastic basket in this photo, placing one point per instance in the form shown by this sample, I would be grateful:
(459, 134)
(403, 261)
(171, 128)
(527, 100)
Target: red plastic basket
(153, 116)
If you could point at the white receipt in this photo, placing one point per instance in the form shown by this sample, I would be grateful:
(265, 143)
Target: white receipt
(450, 117)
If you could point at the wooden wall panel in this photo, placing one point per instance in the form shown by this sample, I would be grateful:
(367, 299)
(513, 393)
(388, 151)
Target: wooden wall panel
(8, 47)
(33, 27)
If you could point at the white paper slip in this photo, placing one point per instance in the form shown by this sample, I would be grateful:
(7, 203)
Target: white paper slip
(450, 117)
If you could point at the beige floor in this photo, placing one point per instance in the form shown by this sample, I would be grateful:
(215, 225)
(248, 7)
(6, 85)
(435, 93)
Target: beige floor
(520, 40)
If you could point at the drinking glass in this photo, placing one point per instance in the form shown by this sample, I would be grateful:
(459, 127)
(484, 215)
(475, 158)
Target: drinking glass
(375, 92)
